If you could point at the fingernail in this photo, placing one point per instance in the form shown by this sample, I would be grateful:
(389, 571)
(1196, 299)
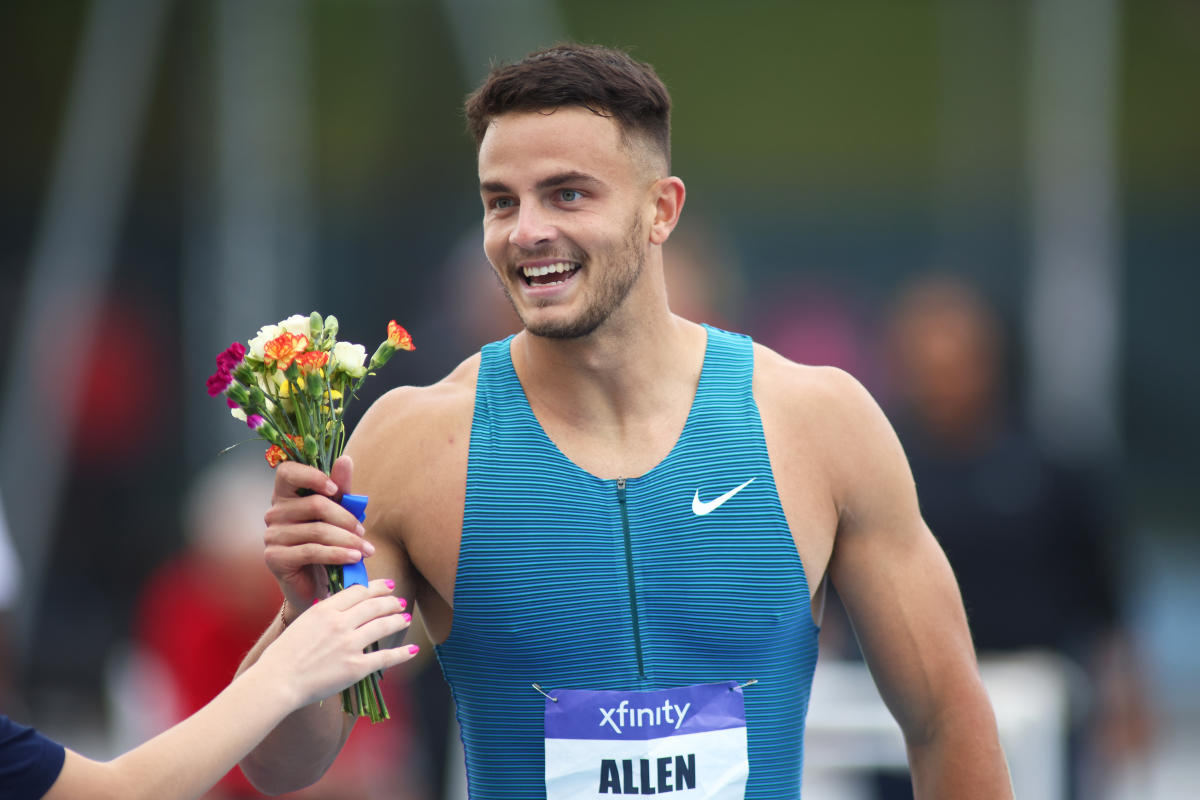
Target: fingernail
(391, 584)
(403, 602)
(406, 617)
(330, 487)
(316, 600)
(360, 530)
(413, 649)
(368, 548)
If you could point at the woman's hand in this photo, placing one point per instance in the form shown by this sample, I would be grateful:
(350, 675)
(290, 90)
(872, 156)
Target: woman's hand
(321, 651)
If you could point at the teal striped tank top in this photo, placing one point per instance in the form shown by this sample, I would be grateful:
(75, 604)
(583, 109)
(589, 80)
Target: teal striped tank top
(573, 582)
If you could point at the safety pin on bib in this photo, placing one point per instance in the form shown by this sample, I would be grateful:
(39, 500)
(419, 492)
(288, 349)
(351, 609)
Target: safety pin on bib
(553, 699)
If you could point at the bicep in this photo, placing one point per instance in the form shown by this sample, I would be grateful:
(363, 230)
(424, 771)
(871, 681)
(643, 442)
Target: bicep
(894, 580)
(904, 605)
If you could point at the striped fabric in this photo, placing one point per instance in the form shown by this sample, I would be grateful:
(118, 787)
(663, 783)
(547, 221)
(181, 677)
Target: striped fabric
(569, 581)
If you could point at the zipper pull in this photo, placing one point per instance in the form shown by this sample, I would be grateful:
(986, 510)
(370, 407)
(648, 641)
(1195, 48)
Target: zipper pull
(620, 484)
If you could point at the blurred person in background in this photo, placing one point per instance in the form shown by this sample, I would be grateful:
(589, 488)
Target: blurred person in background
(1030, 540)
(320, 653)
(200, 612)
(499, 493)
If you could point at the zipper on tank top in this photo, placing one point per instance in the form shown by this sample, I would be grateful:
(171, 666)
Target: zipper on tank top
(633, 605)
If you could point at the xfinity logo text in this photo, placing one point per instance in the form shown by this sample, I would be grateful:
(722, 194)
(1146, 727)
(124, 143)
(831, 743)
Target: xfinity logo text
(622, 716)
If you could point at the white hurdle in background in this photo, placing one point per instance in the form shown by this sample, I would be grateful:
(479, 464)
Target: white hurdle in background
(850, 731)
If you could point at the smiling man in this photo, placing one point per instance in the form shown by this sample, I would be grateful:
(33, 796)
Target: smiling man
(622, 522)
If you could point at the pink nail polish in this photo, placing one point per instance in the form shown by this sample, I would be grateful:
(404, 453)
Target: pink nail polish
(403, 602)
(406, 617)
(391, 584)
(316, 600)
(413, 649)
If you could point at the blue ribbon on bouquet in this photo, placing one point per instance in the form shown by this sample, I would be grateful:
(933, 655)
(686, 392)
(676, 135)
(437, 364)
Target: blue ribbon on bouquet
(355, 573)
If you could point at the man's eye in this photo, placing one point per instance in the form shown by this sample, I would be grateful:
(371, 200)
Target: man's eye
(568, 195)
(502, 203)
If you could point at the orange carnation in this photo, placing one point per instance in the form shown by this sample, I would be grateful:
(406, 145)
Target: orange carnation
(284, 348)
(398, 337)
(275, 455)
(312, 360)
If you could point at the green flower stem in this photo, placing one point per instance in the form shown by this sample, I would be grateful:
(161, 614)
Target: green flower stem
(302, 412)
(329, 438)
(365, 698)
(285, 442)
(285, 429)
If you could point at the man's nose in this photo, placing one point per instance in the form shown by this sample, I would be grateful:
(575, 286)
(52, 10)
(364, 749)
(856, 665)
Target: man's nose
(533, 227)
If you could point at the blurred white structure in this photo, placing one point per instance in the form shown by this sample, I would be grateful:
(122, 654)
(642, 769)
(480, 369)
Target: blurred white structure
(1073, 320)
(850, 731)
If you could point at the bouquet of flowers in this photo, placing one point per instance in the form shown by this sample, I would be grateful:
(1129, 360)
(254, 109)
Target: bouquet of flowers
(291, 387)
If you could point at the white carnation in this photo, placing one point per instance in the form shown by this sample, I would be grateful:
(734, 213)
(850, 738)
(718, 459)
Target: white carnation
(297, 324)
(238, 414)
(350, 359)
(265, 334)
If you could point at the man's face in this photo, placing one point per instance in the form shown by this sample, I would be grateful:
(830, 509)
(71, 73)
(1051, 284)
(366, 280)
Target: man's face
(566, 212)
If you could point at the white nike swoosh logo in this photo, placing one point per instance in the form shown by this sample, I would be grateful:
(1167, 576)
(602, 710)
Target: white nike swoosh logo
(700, 509)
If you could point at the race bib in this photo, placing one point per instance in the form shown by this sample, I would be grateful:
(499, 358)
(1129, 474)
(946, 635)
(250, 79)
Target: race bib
(688, 742)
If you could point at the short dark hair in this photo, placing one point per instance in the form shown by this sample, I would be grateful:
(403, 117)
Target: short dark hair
(605, 81)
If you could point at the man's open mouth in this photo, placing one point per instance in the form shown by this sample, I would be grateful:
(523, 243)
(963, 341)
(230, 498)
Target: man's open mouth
(549, 274)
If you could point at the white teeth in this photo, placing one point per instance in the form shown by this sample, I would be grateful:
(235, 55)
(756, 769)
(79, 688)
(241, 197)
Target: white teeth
(534, 272)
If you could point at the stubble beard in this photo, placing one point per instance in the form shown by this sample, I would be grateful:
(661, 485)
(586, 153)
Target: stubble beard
(624, 268)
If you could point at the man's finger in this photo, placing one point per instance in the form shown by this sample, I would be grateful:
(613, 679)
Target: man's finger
(320, 533)
(291, 477)
(341, 473)
(313, 508)
(288, 559)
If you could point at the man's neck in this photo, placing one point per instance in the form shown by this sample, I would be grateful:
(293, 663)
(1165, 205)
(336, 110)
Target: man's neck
(614, 379)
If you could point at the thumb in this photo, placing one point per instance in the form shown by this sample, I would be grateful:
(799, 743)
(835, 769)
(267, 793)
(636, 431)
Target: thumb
(341, 472)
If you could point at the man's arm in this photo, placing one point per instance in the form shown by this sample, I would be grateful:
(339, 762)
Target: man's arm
(902, 598)
(305, 531)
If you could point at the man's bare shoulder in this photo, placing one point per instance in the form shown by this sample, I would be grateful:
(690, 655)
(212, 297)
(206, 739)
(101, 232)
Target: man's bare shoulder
(409, 417)
(441, 401)
(809, 395)
(824, 413)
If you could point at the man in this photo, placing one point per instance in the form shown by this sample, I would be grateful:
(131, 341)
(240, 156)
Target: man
(619, 503)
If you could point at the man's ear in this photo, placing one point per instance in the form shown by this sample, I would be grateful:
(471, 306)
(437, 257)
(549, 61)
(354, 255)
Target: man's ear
(668, 195)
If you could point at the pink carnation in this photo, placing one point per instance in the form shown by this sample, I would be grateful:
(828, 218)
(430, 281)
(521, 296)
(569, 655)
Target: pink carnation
(231, 357)
(254, 422)
(218, 382)
(227, 360)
